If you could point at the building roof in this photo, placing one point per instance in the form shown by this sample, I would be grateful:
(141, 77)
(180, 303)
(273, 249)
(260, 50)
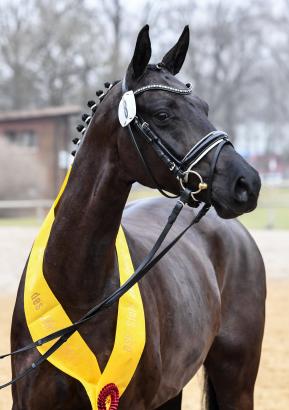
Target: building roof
(49, 112)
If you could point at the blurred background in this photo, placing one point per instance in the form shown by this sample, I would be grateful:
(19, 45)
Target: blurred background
(55, 55)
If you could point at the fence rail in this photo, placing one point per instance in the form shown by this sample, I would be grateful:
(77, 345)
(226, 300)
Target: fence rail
(273, 212)
(27, 203)
(40, 206)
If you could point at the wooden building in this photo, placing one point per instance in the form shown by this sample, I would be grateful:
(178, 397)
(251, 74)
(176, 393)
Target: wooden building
(44, 136)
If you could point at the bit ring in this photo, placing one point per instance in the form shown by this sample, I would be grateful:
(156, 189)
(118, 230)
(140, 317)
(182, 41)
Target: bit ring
(202, 185)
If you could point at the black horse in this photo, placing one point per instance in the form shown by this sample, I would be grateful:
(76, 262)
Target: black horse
(204, 301)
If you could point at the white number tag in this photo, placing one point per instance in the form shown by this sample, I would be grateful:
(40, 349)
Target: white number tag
(127, 108)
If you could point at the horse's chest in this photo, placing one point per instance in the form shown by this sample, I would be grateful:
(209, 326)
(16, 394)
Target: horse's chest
(182, 319)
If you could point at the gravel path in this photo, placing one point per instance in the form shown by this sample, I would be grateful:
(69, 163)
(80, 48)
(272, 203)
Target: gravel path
(15, 245)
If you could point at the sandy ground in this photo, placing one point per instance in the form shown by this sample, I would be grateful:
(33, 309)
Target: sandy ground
(272, 389)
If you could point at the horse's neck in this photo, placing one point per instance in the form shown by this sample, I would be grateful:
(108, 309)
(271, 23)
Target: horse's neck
(80, 262)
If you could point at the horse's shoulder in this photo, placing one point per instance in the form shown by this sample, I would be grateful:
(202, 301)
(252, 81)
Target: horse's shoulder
(146, 217)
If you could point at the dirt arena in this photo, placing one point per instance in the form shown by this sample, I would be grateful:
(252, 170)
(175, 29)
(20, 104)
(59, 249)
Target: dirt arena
(272, 389)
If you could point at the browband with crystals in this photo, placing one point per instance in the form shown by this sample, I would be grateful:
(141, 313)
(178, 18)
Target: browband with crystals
(184, 91)
(127, 105)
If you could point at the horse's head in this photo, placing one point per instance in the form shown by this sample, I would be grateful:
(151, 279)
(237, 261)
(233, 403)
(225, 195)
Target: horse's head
(167, 120)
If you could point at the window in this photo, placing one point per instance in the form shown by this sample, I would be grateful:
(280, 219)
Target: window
(25, 138)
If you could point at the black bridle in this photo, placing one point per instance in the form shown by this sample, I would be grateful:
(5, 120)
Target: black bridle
(181, 170)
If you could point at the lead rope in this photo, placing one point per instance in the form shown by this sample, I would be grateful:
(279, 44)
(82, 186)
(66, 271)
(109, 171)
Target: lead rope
(150, 260)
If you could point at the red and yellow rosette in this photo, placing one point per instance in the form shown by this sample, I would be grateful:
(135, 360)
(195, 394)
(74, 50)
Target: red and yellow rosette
(108, 398)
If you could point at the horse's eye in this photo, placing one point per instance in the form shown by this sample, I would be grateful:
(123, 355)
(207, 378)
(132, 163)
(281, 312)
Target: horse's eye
(162, 116)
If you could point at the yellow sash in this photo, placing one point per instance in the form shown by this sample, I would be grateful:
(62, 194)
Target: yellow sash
(44, 315)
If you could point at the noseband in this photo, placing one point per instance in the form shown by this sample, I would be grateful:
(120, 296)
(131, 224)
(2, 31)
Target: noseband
(181, 169)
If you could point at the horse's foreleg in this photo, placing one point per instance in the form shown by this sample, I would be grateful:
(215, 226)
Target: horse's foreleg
(233, 361)
(230, 379)
(173, 404)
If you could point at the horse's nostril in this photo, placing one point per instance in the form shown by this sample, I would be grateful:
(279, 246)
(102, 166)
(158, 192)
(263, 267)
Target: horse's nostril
(242, 190)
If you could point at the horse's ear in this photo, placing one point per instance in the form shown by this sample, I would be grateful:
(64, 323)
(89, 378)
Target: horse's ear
(142, 54)
(175, 58)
